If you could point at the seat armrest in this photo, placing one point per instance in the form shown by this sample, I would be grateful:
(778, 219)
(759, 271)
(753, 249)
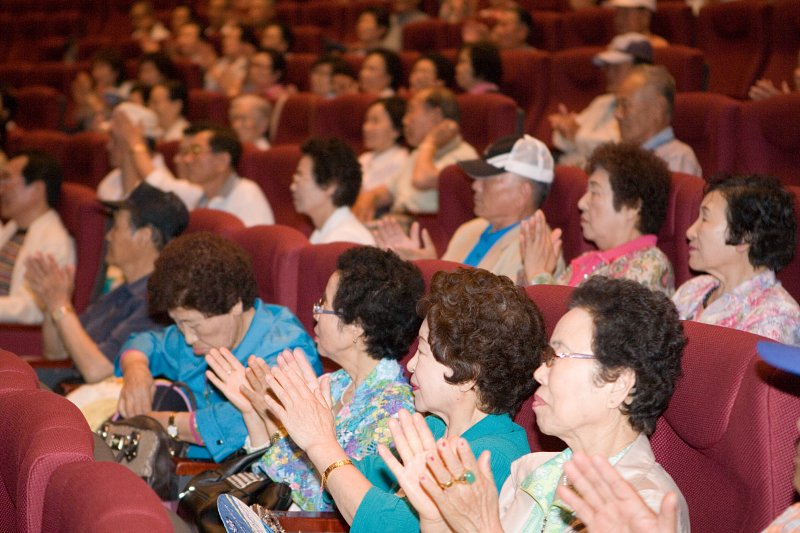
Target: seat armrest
(191, 467)
(328, 522)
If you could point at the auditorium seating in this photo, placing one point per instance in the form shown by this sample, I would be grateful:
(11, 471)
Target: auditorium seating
(431, 34)
(86, 159)
(207, 105)
(292, 118)
(790, 276)
(15, 374)
(526, 75)
(342, 117)
(39, 106)
(587, 27)
(784, 42)
(561, 209)
(675, 22)
(215, 221)
(485, 118)
(687, 66)
(709, 123)
(683, 208)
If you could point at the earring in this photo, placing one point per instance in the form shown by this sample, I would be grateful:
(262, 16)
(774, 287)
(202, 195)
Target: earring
(355, 340)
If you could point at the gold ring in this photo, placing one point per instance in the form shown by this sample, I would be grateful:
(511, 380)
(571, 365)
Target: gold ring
(445, 486)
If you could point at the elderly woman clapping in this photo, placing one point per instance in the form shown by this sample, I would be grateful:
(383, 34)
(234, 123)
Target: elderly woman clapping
(479, 343)
(610, 372)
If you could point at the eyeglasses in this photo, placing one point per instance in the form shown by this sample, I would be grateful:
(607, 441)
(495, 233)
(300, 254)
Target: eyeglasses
(318, 310)
(550, 355)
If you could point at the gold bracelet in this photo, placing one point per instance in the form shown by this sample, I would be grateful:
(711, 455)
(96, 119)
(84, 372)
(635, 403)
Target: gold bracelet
(331, 468)
(61, 312)
(278, 435)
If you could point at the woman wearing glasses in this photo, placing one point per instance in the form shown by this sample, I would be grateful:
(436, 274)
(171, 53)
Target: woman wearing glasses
(366, 320)
(608, 376)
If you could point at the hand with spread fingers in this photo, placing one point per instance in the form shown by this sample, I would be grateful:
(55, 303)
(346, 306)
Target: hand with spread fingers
(257, 389)
(462, 488)
(228, 375)
(389, 235)
(540, 246)
(607, 503)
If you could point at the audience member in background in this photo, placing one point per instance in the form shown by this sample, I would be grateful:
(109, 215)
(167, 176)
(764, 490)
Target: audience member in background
(455, 11)
(324, 187)
(8, 107)
(30, 185)
(577, 135)
(430, 71)
(180, 15)
(219, 17)
(513, 28)
(343, 79)
(190, 45)
(206, 284)
(168, 101)
(645, 101)
(249, 116)
(635, 16)
(259, 14)
(430, 126)
(320, 75)
(510, 184)
(764, 88)
(97, 92)
(265, 71)
(366, 321)
(211, 163)
(277, 36)
(622, 212)
(381, 73)
(372, 27)
(744, 234)
(383, 138)
(609, 372)
(229, 72)
(479, 69)
(147, 29)
(478, 345)
(134, 130)
(404, 12)
(155, 68)
(143, 225)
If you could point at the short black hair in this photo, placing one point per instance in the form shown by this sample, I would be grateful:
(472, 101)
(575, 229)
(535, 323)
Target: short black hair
(381, 15)
(113, 59)
(335, 163)
(445, 70)
(486, 62)
(392, 63)
(224, 140)
(43, 166)
(638, 178)
(637, 329)
(379, 292)
(278, 60)
(395, 107)
(342, 67)
(176, 90)
(761, 214)
(163, 64)
(247, 35)
(286, 32)
(444, 100)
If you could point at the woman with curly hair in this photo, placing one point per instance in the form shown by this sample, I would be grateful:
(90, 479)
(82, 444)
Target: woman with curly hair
(480, 340)
(206, 285)
(744, 234)
(366, 320)
(607, 376)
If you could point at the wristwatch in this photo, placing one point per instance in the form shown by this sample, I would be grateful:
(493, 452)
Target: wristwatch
(172, 428)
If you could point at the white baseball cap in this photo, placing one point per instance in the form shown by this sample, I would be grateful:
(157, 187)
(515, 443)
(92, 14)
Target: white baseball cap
(521, 154)
(626, 48)
(141, 116)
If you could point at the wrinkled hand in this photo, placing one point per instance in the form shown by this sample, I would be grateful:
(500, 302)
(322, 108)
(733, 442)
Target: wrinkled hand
(443, 133)
(413, 441)
(764, 88)
(227, 374)
(607, 503)
(465, 507)
(257, 389)
(564, 122)
(540, 246)
(389, 235)
(51, 283)
(138, 389)
(303, 409)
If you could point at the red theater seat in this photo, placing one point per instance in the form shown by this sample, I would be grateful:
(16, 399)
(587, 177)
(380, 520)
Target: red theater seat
(790, 276)
(526, 77)
(343, 117)
(431, 34)
(687, 66)
(292, 118)
(561, 209)
(39, 107)
(215, 221)
(86, 159)
(15, 374)
(51, 141)
(683, 208)
(308, 39)
(487, 117)
(587, 27)
(708, 122)
(784, 42)
(207, 105)
(675, 22)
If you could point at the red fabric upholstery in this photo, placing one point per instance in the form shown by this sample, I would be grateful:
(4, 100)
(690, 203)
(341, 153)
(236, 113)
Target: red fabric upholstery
(325, 15)
(574, 81)
(769, 142)
(39, 106)
(561, 209)
(214, 220)
(728, 437)
(456, 202)
(288, 12)
(526, 75)
(587, 27)
(292, 120)
(684, 206)
(734, 38)
(190, 74)
(784, 42)
(207, 105)
(274, 251)
(708, 123)
(431, 34)
(273, 170)
(47, 140)
(790, 276)
(41, 431)
(86, 158)
(675, 22)
(308, 39)
(687, 65)
(298, 67)
(548, 27)
(487, 117)
(168, 150)
(95, 497)
(15, 374)
(55, 74)
(343, 117)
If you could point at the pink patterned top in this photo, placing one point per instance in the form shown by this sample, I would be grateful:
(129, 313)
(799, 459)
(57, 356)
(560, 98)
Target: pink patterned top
(759, 305)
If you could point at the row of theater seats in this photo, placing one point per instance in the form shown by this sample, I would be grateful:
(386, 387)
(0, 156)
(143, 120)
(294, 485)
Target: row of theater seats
(49, 480)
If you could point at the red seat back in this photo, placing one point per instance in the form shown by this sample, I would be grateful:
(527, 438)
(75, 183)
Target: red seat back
(587, 27)
(207, 105)
(15, 374)
(39, 106)
(293, 117)
(687, 65)
(675, 22)
(298, 68)
(784, 41)
(487, 117)
(215, 221)
(343, 117)
(561, 209)
(526, 77)
(685, 196)
(86, 160)
(51, 141)
(456, 202)
(308, 40)
(708, 122)
(790, 275)
(431, 34)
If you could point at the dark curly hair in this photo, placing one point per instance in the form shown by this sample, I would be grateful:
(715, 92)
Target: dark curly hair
(639, 329)
(485, 60)
(204, 272)
(638, 178)
(445, 70)
(335, 163)
(392, 64)
(484, 328)
(395, 108)
(379, 292)
(761, 214)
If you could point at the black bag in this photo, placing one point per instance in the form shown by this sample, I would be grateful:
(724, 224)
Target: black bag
(141, 443)
(197, 504)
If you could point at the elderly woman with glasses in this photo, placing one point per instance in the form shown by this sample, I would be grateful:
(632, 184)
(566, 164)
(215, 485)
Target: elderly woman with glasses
(610, 371)
(366, 321)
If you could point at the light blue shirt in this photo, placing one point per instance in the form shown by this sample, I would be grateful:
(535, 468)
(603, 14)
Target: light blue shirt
(485, 242)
